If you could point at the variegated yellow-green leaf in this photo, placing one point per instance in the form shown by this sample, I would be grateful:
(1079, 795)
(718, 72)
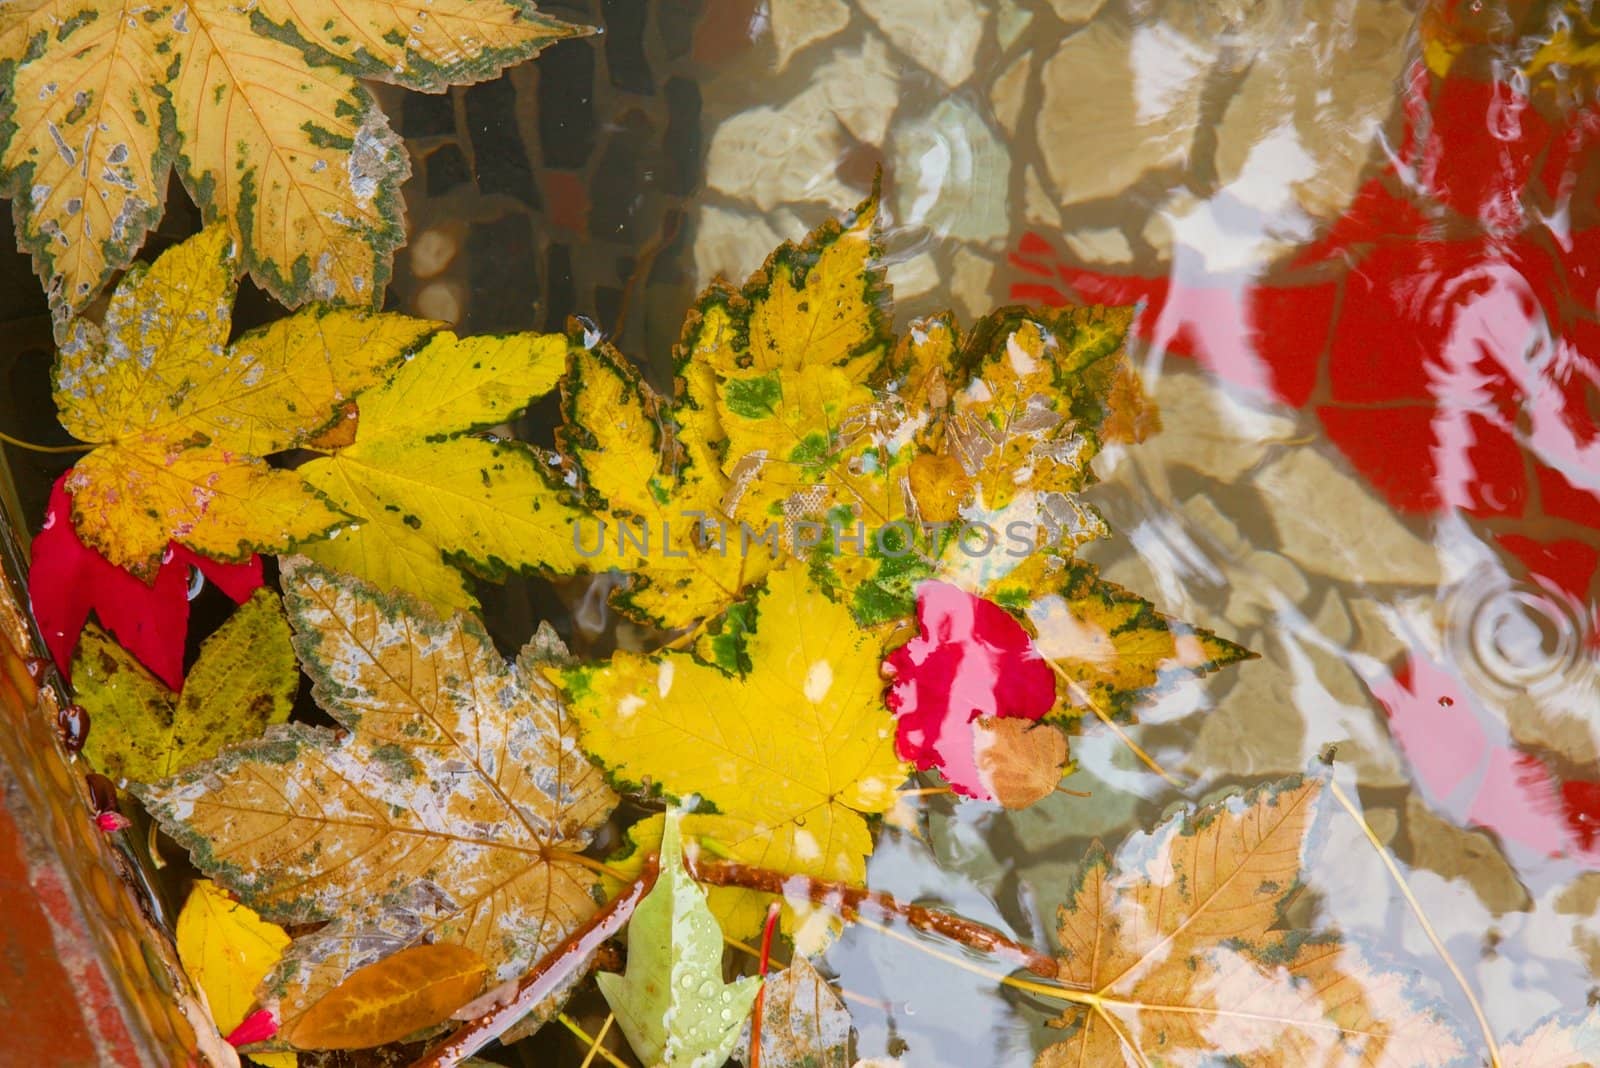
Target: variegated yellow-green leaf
(1112, 648)
(648, 494)
(245, 679)
(181, 420)
(429, 491)
(801, 427)
(451, 811)
(807, 332)
(259, 108)
(787, 738)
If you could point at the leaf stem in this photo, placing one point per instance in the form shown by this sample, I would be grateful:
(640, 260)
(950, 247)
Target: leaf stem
(754, 1060)
(1082, 696)
(1044, 990)
(546, 977)
(31, 447)
(850, 901)
(559, 856)
(595, 1048)
(1422, 918)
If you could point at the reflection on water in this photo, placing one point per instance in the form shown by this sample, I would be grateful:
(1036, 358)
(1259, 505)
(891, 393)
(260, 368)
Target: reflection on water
(1378, 234)
(1367, 241)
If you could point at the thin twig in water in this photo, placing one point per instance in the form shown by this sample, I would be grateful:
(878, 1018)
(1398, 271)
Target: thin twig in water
(1081, 695)
(1422, 918)
(595, 1048)
(547, 976)
(852, 901)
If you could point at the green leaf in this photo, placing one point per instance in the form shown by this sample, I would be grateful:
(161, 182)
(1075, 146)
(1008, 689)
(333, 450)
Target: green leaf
(671, 1003)
(245, 680)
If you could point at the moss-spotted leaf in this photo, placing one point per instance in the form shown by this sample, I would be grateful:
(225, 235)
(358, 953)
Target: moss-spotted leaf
(426, 487)
(258, 107)
(803, 337)
(671, 1003)
(1179, 951)
(1111, 647)
(227, 950)
(182, 420)
(406, 992)
(792, 753)
(449, 812)
(800, 426)
(244, 680)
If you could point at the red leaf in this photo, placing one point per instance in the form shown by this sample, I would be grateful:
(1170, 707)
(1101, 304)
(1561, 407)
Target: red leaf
(970, 659)
(1564, 563)
(1392, 447)
(256, 1027)
(68, 579)
(1481, 149)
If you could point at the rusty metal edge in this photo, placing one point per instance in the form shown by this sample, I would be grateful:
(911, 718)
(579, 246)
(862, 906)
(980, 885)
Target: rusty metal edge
(135, 1003)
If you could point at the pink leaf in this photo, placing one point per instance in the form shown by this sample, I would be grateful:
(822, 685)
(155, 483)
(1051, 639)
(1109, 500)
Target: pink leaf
(971, 659)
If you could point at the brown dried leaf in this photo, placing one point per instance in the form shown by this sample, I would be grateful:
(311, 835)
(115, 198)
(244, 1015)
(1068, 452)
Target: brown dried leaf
(1019, 761)
(1557, 1042)
(804, 1022)
(1181, 963)
(450, 811)
(392, 998)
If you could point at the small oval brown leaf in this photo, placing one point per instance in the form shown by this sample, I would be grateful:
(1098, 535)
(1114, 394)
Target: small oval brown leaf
(399, 995)
(1018, 760)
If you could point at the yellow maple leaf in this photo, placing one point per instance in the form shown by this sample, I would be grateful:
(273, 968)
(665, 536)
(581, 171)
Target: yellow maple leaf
(426, 486)
(649, 496)
(182, 420)
(245, 679)
(227, 949)
(1179, 961)
(451, 811)
(793, 752)
(259, 108)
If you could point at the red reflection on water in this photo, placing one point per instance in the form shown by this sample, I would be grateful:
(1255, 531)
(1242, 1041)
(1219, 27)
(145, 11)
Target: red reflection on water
(969, 659)
(1465, 764)
(1445, 330)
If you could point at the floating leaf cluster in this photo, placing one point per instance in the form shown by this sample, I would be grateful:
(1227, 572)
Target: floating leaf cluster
(812, 482)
